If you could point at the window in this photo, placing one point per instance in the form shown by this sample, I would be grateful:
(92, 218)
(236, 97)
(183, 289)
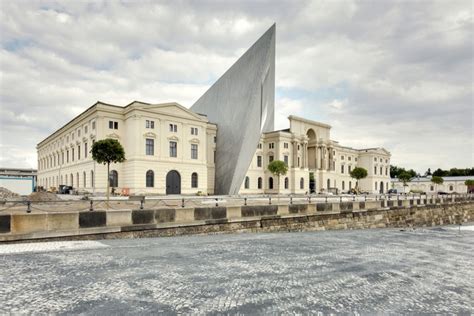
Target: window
(113, 179)
(150, 124)
(270, 183)
(72, 136)
(259, 146)
(386, 160)
(287, 183)
(78, 152)
(247, 183)
(270, 159)
(375, 170)
(194, 131)
(194, 151)
(375, 159)
(259, 183)
(375, 185)
(431, 188)
(72, 154)
(343, 185)
(355, 159)
(259, 161)
(84, 179)
(381, 171)
(78, 133)
(342, 169)
(93, 124)
(214, 156)
(215, 139)
(77, 179)
(386, 171)
(302, 183)
(194, 180)
(111, 124)
(350, 185)
(86, 128)
(92, 178)
(150, 179)
(173, 149)
(173, 128)
(271, 145)
(342, 157)
(349, 169)
(67, 156)
(85, 150)
(149, 147)
(450, 188)
(67, 139)
(298, 147)
(62, 158)
(285, 145)
(328, 184)
(349, 158)
(381, 160)
(298, 161)
(285, 159)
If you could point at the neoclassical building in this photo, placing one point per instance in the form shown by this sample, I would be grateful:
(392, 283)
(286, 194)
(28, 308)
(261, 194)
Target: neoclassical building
(171, 150)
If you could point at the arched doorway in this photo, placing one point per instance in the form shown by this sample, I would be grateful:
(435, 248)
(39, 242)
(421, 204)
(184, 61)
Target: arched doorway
(311, 158)
(381, 186)
(173, 182)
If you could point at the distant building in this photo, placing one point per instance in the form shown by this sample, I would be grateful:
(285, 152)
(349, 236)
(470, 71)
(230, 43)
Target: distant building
(20, 181)
(424, 184)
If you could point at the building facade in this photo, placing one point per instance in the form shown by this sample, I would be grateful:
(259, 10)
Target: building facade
(165, 144)
(171, 150)
(315, 162)
(424, 184)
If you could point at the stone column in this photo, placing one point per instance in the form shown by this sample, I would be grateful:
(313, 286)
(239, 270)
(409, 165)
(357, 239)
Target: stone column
(318, 157)
(306, 158)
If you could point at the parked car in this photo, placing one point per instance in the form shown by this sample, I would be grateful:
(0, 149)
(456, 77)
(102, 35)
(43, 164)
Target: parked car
(65, 189)
(442, 193)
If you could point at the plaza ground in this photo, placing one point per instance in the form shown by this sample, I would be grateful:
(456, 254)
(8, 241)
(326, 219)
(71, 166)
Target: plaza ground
(361, 271)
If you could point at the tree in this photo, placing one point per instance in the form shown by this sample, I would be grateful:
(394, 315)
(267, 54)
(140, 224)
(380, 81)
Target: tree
(437, 180)
(405, 177)
(428, 172)
(440, 173)
(470, 185)
(278, 168)
(358, 173)
(108, 151)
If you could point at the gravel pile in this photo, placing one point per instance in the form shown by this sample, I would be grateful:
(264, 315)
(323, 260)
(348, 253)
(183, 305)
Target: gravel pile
(7, 194)
(43, 197)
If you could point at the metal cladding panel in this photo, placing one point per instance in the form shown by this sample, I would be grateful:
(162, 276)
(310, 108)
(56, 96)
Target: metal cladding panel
(242, 104)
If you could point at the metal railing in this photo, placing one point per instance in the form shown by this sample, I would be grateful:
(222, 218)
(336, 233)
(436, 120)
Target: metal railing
(151, 202)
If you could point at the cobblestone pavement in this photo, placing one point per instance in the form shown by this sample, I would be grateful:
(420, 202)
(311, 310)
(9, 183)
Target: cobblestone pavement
(363, 271)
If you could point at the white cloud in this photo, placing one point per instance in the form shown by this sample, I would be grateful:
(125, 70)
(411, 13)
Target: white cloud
(392, 74)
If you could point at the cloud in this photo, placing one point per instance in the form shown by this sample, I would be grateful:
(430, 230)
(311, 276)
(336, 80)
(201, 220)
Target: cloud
(393, 74)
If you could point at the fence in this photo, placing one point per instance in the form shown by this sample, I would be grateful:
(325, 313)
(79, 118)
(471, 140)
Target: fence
(151, 202)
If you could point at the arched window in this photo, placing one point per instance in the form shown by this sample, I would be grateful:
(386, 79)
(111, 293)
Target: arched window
(287, 183)
(84, 179)
(113, 178)
(194, 180)
(72, 180)
(92, 178)
(302, 183)
(450, 188)
(329, 183)
(259, 183)
(270, 183)
(247, 182)
(150, 179)
(350, 185)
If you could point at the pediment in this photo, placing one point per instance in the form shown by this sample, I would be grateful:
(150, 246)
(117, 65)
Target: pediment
(176, 138)
(174, 109)
(194, 140)
(113, 135)
(149, 135)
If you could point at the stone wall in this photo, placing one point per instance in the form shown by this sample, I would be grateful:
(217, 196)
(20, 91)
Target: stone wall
(266, 218)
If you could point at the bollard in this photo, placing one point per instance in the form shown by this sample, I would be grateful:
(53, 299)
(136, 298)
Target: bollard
(142, 201)
(28, 210)
(182, 202)
(217, 202)
(270, 200)
(91, 207)
(245, 201)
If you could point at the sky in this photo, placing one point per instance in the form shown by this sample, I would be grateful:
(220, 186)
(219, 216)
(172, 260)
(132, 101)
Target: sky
(392, 74)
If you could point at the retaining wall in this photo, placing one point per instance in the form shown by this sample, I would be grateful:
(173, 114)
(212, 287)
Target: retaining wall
(294, 217)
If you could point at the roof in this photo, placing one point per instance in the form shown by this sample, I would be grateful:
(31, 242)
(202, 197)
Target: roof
(428, 179)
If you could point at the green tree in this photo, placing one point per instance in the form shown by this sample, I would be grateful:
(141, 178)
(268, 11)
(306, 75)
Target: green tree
(440, 173)
(105, 152)
(470, 185)
(437, 180)
(405, 177)
(358, 173)
(278, 168)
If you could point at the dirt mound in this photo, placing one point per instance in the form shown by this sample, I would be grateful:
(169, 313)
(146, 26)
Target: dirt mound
(43, 197)
(7, 194)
